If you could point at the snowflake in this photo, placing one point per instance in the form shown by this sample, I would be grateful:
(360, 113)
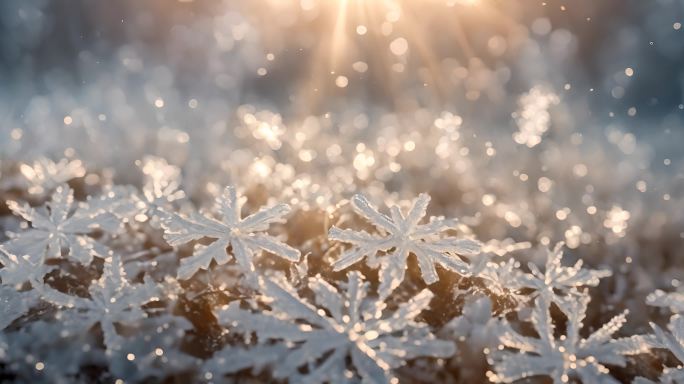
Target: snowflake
(557, 283)
(569, 356)
(162, 181)
(503, 279)
(45, 175)
(673, 341)
(113, 300)
(672, 300)
(323, 338)
(245, 236)
(56, 226)
(400, 236)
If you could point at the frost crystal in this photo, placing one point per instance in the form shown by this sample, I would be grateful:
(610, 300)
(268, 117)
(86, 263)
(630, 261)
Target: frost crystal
(19, 270)
(55, 227)
(672, 300)
(673, 341)
(400, 236)
(245, 236)
(14, 304)
(45, 175)
(113, 300)
(558, 283)
(568, 357)
(162, 181)
(343, 330)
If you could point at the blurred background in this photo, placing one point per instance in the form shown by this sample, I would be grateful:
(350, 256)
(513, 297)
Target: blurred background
(311, 57)
(189, 80)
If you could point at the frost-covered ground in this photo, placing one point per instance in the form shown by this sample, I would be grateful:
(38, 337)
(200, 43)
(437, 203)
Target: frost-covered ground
(410, 191)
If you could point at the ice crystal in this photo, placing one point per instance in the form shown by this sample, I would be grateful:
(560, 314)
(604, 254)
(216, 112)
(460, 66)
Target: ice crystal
(341, 328)
(558, 283)
(245, 236)
(673, 341)
(19, 270)
(59, 225)
(113, 300)
(503, 278)
(399, 236)
(45, 175)
(567, 357)
(14, 304)
(672, 300)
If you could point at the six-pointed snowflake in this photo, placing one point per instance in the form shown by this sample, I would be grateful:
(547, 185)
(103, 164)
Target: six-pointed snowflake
(45, 175)
(162, 182)
(558, 284)
(113, 300)
(400, 236)
(320, 339)
(245, 236)
(58, 225)
(19, 270)
(567, 357)
(14, 304)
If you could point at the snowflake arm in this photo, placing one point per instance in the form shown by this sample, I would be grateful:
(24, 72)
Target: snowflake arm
(112, 300)
(365, 245)
(364, 208)
(162, 181)
(19, 270)
(58, 225)
(673, 341)
(557, 283)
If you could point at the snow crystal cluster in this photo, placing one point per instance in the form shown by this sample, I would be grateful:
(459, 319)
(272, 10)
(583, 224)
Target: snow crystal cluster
(102, 272)
(266, 191)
